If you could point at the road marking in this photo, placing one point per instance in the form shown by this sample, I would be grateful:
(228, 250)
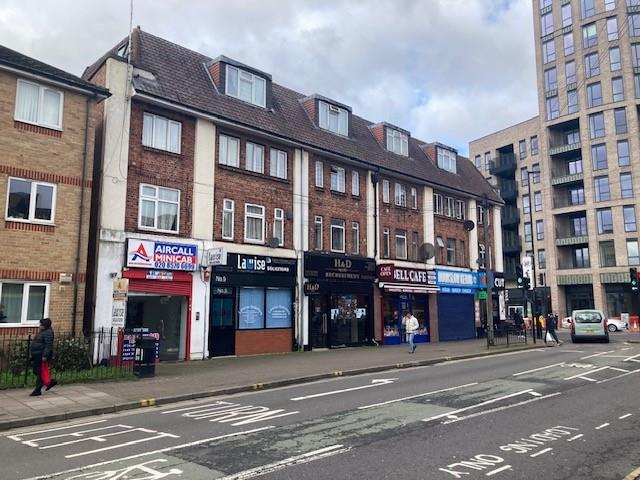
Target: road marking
(19, 436)
(535, 394)
(600, 427)
(627, 415)
(584, 377)
(614, 356)
(126, 444)
(619, 376)
(633, 475)
(132, 471)
(374, 383)
(498, 470)
(597, 354)
(35, 441)
(153, 452)
(233, 413)
(288, 462)
(632, 358)
(96, 438)
(481, 404)
(499, 409)
(541, 452)
(575, 437)
(537, 369)
(571, 351)
(417, 396)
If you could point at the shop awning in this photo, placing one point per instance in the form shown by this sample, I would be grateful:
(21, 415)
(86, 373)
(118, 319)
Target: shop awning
(407, 288)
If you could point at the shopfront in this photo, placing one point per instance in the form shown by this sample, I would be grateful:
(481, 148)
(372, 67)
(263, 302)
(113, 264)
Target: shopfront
(456, 303)
(159, 292)
(252, 305)
(340, 291)
(405, 290)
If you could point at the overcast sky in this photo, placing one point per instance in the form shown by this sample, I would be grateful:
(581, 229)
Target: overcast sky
(446, 70)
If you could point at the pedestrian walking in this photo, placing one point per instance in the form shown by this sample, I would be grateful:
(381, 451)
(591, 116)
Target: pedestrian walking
(411, 325)
(550, 335)
(41, 352)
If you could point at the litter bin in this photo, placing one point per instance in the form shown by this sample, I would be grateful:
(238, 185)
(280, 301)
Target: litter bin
(144, 364)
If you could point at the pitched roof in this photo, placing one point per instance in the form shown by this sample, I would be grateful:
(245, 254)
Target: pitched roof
(181, 76)
(18, 61)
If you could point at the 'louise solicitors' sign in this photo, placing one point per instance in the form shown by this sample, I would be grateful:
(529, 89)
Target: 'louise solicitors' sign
(161, 255)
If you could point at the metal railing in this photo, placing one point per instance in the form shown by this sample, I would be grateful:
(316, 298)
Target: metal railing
(96, 356)
(505, 335)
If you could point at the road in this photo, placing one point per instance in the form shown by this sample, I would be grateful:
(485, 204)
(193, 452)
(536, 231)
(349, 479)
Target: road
(557, 413)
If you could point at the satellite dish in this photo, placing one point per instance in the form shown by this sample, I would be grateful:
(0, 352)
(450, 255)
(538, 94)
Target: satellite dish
(469, 225)
(427, 251)
(274, 242)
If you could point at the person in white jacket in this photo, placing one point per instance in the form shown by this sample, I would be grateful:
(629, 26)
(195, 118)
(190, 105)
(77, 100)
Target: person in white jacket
(411, 327)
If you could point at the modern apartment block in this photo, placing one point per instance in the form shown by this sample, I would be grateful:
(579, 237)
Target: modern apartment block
(46, 163)
(583, 204)
(241, 217)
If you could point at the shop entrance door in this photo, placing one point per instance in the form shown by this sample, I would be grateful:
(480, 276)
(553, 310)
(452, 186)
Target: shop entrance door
(222, 328)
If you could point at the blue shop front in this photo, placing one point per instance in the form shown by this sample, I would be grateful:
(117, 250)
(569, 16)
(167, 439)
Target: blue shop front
(457, 303)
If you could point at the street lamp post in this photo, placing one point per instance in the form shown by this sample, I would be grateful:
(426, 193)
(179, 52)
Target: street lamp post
(487, 272)
(533, 260)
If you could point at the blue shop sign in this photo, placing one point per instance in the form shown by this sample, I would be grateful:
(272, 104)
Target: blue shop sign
(162, 255)
(460, 282)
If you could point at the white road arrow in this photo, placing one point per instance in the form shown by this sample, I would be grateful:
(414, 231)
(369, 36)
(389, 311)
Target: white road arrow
(374, 383)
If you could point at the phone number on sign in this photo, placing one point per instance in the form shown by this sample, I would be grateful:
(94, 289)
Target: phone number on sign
(174, 266)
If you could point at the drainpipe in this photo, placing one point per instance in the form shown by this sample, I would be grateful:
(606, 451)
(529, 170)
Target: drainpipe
(74, 314)
(375, 179)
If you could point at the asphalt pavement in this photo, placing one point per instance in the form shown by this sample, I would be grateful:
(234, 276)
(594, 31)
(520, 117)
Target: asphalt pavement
(557, 412)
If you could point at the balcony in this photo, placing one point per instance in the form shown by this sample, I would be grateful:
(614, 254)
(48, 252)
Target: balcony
(510, 217)
(504, 166)
(567, 179)
(508, 190)
(565, 241)
(511, 245)
(564, 148)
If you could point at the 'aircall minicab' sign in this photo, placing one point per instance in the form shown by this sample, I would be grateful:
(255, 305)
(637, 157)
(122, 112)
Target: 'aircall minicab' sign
(161, 255)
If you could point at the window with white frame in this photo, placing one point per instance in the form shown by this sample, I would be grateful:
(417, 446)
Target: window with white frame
(253, 223)
(355, 238)
(401, 244)
(449, 209)
(319, 174)
(337, 179)
(39, 105)
(159, 208)
(451, 251)
(337, 235)
(278, 226)
(23, 303)
(397, 142)
(161, 133)
(482, 253)
(255, 158)
(385, 191)
(229, 151)
(481, 215)
(447, 160)
(30, 201)
(228, 210)
(401, 195)
(414, 198)
(437, 204)
(355, 183)
(333, 118)
(385, 242)
(439, 250)
(460, 209)
(278, 167)
(317, 233)
(246, 86)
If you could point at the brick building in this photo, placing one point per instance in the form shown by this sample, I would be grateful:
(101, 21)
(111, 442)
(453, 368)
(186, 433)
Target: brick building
(314, 215)
(47, 119)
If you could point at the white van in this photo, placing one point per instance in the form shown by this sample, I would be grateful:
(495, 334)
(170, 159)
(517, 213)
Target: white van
(589, 325)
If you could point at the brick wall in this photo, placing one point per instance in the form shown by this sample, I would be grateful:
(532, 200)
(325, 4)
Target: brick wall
(243, 186)
(396, 217)
(33, 252)
(253, 342)
(447, 228)
(336, 205)
(378, 134)
(160, 168)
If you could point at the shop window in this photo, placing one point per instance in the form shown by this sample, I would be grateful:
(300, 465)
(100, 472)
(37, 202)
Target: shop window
(253, 223)
(279, 307)
(30, 201)
(23, 303)
(228, 209)
(401, 244)
(317, 233)
(278, 166)
(278, 226)
(251, 308)
(385, 243)
(39, 105)
(355, 238)
(159, 208)
(337, 235)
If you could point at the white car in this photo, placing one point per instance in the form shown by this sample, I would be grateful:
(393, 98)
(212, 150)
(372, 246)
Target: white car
(616, 325)
(566, 322)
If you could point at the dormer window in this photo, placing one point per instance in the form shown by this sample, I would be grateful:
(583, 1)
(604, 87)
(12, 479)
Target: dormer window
(246, 86)
(334, 119)
(397, 142)
(447, 160)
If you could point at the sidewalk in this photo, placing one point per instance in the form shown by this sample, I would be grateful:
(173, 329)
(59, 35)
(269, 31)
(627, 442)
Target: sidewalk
(197, 379)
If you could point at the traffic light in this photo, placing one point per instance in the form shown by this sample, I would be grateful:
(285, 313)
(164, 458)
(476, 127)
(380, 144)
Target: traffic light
(541, 279)
(519, 276)
(633, 278)
(526, 283)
